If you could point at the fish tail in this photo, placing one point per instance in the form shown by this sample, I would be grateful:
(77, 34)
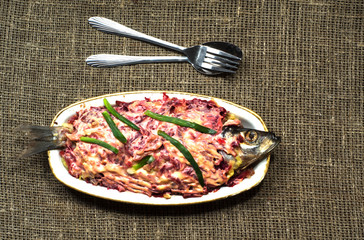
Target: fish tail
(41, 139)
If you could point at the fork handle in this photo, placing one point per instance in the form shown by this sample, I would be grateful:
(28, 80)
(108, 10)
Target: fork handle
(110, 60)
(109, 26)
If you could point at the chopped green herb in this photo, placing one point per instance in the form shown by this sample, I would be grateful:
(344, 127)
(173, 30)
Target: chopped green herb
(114, 129)
(180, 122)
(118, 116)
(146, 160)
(100, 143)
(186, 154)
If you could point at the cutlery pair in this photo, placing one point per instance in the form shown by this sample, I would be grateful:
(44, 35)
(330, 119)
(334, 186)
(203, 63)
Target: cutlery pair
(210, 58)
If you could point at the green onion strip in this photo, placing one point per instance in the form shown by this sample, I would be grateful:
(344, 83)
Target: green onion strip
(180, 122)
(114, 129)
(118, 116)
(100, 143)
(146, 160)
(186, 154)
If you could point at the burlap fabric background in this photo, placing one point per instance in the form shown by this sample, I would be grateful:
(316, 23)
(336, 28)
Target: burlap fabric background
(302, 73)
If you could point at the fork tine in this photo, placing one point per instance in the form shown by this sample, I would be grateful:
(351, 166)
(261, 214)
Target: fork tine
(221, 53)
(219, 63)
(213, 67)
(222, 59)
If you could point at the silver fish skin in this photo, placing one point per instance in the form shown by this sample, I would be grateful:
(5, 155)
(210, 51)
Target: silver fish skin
(254, 146)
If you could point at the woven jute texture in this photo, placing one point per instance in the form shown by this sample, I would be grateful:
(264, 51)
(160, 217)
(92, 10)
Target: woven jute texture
(302, 72)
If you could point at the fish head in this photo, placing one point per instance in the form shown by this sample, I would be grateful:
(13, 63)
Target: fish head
(254, 145)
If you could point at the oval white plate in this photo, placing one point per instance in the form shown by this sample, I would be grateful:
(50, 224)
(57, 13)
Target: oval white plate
(249, 120)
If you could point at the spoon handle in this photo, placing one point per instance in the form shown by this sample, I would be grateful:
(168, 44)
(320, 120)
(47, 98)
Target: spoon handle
(109, 26)
(110, 60)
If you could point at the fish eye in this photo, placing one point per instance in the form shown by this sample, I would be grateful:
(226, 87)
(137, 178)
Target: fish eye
(251, 136)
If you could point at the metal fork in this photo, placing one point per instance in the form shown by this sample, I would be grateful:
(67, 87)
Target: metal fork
(204, 58)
